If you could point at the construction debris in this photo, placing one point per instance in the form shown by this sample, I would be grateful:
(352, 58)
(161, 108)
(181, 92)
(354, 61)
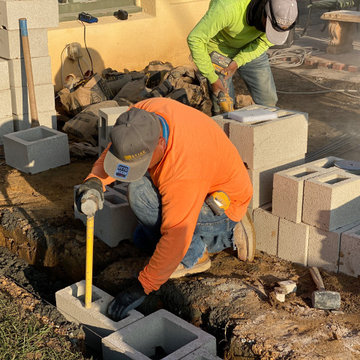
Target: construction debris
(288, 286)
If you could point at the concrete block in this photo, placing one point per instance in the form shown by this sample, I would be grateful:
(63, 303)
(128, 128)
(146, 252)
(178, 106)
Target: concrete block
(331, 200)
(293, 241)
(200, 354)
(262, 180)
(108, 117)
(44, 95)
(324, 247)
(223, 122)
(40, 14)
(5, 103)
(11, 46)
(267, 142)
(6, 127)
(116, 221)
(288, 191)
(70, 301)
(161, 331)
(349, 252)
(288, 286)
(4, 75)
(324, 163)
(267, 229)
(36, 149)
(41, 69)
(46, 118)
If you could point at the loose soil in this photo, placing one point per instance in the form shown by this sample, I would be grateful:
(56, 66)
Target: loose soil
(234, 301)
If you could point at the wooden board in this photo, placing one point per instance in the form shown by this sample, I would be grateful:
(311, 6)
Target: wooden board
(342, 15)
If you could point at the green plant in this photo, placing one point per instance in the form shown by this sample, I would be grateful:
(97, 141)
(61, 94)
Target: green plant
(24, 337)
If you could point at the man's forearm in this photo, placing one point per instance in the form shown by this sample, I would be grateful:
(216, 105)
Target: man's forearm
(99, 172)
(201, 57)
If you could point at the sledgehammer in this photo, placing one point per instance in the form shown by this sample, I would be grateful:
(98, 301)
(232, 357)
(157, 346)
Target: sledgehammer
(321, 298)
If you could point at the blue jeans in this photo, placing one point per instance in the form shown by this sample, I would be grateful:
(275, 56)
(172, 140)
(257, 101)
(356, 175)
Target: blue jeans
(212, 232)
(259, 81)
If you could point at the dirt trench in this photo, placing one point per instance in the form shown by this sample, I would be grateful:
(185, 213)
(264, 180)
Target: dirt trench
(233, 300)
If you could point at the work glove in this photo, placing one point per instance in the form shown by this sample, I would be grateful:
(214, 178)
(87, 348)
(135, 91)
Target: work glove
(89, 197)
(125, 301)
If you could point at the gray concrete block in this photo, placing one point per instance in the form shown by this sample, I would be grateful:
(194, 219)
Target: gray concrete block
(222, 121)
(331, 200)
(266, 142)
(6, 127)
(5, 103)
(325, 163)
(41, 69)
(349, 252)
(36, 149)
(262, 180)
(324, 247)
(46, 118)
(11, 46)
(116, 221)
(293, 241)
(200, 355)
(70, 301)
(288, 190)
(267, 230)
(161, 329)
(40, 14)
(44, 96)
(108, 117)
(4, 75)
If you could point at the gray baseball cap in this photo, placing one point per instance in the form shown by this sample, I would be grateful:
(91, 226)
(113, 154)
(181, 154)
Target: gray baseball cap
(134, 138)
(280, 18)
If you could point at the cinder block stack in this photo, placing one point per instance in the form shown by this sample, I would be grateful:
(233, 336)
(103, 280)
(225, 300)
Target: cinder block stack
(6, 119)
(314, 205)
(40, 15)
(267, 147)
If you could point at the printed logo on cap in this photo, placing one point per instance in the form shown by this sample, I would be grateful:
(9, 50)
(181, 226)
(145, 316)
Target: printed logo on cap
(122, 171)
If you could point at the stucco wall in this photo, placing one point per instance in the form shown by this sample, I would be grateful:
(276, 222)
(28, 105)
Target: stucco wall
(158, 33)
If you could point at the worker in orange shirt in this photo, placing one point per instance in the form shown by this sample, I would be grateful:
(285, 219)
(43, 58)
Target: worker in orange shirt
(173, 157)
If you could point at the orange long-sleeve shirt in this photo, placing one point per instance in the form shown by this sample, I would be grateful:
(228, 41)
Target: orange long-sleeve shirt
(199, 159)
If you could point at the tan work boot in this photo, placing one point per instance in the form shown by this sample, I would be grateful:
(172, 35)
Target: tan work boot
(203, 264)
(245, 239)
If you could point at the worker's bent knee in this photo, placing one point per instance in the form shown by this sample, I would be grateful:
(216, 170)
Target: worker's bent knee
(143, 194)
(268, 101)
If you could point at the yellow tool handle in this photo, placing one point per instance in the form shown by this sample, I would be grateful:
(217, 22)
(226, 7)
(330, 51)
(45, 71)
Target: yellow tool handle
(89, 260)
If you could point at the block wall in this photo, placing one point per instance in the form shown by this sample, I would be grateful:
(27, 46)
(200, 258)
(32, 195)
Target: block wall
(317, 206)
(14, 100)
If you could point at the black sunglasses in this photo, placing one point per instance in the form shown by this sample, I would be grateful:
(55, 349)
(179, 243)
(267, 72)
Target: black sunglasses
(274, 23)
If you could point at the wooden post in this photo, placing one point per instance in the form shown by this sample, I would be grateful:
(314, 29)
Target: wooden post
(29, 74)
